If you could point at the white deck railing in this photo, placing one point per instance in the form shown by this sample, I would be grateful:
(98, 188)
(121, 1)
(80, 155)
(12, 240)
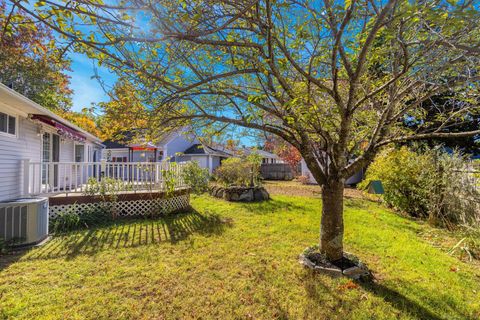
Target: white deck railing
(48, 178)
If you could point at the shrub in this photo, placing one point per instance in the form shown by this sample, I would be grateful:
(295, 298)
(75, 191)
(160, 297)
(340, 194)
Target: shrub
(195, 177)
(169, 178)
(404, 177)
(429, 185)
(239, 171)
(70, 220)
(107, 189)
(66, 221)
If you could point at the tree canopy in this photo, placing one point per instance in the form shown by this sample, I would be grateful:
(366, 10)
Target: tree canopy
(335, 79)
(124, 111)
(30, 60)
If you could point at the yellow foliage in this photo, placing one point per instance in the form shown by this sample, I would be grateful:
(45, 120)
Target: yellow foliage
(124, 111)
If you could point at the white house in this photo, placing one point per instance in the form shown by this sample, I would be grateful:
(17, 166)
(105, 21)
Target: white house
(267, 157)
(167, 147)
(211, 157)
(177, 146)
(353, 180)
(34, 140)
(206, 156)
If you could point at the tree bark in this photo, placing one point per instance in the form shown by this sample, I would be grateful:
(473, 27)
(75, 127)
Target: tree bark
(331, 233)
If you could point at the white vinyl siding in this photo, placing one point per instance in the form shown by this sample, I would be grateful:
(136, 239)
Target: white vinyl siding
(202, 160)
(112, 153)
(12, 151)
(27, 144)
(176, 145)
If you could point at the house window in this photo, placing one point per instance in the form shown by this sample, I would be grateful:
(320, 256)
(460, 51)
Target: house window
(8, 124)
(79, 153)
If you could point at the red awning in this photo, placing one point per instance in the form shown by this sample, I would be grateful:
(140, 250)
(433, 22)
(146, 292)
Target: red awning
(142, 148)
(62, 129)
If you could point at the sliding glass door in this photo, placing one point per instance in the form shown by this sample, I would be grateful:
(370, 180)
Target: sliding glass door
(50, 153)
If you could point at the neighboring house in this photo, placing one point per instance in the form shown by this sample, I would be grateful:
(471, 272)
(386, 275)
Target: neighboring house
(207, 157)
(211, 157)
(32, 136)
(267, 157)
(353, 180)
(178, 146)
(166, 148)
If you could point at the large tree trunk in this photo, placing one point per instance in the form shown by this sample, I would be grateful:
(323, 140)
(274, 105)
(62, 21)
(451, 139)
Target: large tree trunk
(331, 234)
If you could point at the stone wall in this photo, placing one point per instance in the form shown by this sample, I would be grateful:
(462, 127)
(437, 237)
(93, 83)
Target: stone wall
(242, 194)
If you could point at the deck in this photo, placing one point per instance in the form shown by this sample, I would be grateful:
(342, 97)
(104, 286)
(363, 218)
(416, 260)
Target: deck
(63, 179)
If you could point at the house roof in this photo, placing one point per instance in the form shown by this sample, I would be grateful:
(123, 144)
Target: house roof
(11, 98)
(109, 144)
(203, 149)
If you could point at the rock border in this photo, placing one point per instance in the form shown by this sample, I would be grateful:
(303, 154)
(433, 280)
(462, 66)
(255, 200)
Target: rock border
(356, 272)
(240, 194)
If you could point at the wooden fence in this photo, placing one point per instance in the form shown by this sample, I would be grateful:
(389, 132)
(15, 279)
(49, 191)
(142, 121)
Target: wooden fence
(471, 174)
(277, 171)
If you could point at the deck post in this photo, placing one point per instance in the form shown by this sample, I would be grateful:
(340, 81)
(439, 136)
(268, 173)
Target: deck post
(26, 177)
(103, 168)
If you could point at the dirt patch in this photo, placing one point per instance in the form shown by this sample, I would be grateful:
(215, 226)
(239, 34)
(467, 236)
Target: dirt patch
(295, 188)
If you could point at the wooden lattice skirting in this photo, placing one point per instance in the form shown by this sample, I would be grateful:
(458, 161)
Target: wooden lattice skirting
(127, 205)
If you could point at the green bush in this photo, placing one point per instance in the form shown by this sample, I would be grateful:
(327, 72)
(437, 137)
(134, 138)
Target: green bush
(169, 178)
(428, 185)
(239, 171)
(65, 221)
(195, 177)
(404, 175)
(70, 220)
(107, 189)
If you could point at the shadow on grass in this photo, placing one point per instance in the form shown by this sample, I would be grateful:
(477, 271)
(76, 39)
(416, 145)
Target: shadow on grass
(269, 206)
(131, 233)
(436, 300)
(9, 258)
(419, 304)
(399, 301)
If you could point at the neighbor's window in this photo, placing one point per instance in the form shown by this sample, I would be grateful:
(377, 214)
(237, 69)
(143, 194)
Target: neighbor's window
(79, 153)
(8, 124)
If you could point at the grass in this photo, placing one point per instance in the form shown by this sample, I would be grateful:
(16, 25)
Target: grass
(228, 261)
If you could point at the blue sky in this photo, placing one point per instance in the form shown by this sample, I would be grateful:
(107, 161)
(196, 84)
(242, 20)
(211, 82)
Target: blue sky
(87, 89)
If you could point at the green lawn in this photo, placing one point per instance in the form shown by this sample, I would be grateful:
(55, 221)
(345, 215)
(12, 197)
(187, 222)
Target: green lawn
(229, 261)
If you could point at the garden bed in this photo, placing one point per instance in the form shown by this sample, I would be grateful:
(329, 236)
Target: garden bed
(349, 265)
(240, 194)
